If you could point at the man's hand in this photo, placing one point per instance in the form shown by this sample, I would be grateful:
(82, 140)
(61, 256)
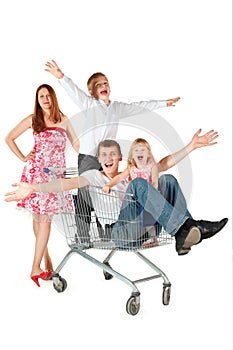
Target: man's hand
(204, 140)
(172, 101)
(24, 190)
(53, 68)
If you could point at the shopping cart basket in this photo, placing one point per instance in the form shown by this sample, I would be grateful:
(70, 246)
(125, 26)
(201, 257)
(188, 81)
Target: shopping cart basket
(94, 224)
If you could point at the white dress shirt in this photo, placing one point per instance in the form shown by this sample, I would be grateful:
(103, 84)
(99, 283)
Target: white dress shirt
(97, 121)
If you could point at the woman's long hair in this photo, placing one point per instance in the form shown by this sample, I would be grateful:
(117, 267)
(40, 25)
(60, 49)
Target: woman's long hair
(38, 123)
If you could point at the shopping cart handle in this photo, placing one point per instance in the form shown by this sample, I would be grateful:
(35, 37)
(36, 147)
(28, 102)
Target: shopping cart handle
(54, 170)
(46, 170)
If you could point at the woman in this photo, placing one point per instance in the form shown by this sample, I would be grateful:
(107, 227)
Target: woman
(50, 128)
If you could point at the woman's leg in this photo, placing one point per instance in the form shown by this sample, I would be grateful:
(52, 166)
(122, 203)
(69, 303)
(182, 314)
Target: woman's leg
(42, 236)
(47, 260)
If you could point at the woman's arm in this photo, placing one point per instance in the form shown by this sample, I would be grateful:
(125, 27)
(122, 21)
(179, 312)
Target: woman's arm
(18, 130)
(71, 134)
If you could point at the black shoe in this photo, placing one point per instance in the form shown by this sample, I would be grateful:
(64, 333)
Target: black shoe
(186, 238)
(210, 228)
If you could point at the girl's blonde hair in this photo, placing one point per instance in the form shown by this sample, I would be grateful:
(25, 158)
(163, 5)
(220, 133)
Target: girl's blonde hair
(143, 142)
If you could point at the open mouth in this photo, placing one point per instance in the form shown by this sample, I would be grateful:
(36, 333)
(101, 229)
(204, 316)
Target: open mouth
(108, 165)
(104, 92)
(140, 157)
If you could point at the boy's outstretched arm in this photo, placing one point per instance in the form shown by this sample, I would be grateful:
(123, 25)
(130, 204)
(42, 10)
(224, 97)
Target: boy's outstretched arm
(79, 97)
(53, 68)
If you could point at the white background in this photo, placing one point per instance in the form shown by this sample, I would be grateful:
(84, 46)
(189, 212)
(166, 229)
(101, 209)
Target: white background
(150, 49)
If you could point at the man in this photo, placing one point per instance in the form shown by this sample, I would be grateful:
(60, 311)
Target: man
(169, 211)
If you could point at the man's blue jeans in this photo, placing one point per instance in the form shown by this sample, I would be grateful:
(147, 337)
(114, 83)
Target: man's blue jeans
(167, 206)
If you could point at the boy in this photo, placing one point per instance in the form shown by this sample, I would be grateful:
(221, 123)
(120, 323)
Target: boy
(102, 115)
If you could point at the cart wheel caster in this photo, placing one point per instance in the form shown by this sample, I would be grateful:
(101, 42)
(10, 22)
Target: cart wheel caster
(59, 284)
(132, 306)
(166, 294)
(107, 275)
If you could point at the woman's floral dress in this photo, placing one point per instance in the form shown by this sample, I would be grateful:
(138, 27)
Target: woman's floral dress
(49, 151)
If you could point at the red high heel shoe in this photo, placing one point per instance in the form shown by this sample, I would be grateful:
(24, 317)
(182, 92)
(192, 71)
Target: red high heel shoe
(45, 275)
(49, 275)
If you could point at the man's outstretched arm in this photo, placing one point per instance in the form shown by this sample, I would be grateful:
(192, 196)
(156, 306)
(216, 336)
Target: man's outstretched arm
(25, 189)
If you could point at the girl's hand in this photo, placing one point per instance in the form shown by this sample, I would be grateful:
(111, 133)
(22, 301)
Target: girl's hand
(208, 139)
(106, 189)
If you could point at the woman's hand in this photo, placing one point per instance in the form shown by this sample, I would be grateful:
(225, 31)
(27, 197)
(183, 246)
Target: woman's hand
(29, 156)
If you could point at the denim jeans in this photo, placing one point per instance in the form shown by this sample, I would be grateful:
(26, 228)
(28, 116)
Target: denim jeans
(167, 206)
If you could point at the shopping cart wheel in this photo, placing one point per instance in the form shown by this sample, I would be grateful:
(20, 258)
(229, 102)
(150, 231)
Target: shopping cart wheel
(107, 275)
(59, 283)
(166, 294)
(132, 306)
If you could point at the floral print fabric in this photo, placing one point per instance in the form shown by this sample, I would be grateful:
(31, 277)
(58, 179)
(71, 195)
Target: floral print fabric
(144, 173)
(49, 151)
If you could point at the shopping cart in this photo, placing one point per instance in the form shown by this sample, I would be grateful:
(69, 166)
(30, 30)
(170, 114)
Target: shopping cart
(93, 224)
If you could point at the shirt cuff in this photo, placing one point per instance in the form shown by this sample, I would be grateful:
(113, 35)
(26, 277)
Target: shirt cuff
(163, 103)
